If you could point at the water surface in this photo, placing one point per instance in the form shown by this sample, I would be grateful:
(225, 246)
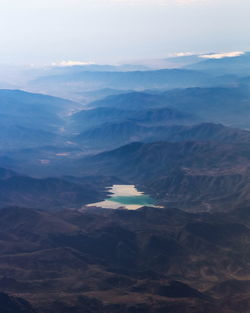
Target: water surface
(125, 196)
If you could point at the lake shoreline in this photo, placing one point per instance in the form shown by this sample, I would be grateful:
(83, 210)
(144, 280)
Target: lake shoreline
(125, 197)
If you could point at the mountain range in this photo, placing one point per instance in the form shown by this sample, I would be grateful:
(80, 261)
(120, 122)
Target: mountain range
(181, 173)
(175, 131)
(151, 260)
(47, 193)
(109, 135)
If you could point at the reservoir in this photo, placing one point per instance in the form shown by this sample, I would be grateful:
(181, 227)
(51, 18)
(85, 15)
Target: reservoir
(124, 196)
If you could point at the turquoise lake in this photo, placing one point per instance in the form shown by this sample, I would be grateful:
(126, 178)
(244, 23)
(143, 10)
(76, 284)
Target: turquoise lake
(125, 196)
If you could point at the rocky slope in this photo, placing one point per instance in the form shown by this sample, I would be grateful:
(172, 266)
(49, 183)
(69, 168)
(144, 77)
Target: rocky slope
(151, 260)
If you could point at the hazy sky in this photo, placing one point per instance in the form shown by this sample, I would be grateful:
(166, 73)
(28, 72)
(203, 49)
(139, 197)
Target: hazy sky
(46, 31)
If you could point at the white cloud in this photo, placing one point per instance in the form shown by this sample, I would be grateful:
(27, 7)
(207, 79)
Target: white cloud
(71, 63)
(222, 55)
(182, 54)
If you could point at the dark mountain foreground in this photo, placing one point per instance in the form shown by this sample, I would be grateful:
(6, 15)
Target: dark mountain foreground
(150, 260)
(14, 305)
